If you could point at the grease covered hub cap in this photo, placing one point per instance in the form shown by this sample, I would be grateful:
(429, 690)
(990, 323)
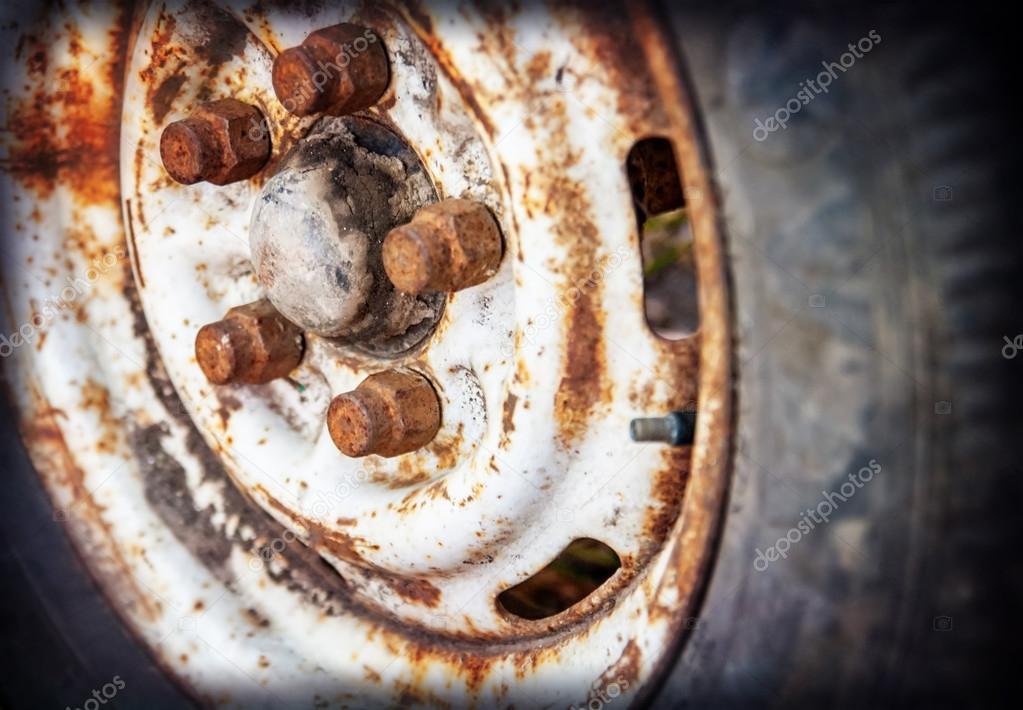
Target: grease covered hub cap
(317, 230)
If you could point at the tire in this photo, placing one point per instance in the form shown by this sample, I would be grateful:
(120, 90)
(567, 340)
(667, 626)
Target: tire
(61, 639)
(871, 305)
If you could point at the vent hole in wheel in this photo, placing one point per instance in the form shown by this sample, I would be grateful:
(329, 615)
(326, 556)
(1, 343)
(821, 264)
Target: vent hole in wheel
(578, 571)
(666, 239)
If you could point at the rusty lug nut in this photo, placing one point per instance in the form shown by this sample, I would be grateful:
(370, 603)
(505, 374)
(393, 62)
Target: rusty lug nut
(252, 345)
(337, 70)
(388, 414)
(447, 246)
(220, 142)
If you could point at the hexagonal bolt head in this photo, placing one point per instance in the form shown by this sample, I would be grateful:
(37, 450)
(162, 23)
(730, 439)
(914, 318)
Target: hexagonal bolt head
(388, 414)
(221, 142)
(337, 70)
(252, 345)
(448, 246)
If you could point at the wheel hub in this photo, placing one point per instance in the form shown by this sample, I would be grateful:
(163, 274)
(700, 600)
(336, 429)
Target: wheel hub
(538, 365)
(318, 228)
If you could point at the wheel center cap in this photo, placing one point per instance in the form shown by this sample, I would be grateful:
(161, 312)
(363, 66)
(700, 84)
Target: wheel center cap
(317, 233)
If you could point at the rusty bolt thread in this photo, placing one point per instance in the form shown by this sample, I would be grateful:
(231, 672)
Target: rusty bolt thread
(221, 142)
(677, 429)
(447, 246)
(336, 70)
(253, 345)
(388, 414)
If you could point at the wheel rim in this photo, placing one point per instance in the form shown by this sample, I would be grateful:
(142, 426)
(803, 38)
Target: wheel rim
(539, 372)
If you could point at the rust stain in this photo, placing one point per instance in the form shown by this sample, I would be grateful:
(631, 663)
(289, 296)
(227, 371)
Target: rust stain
(66, 131)
(162, 52)
(440, 455)
(419, 19)
(97, 397)
(229, 404)
(620, 54)
(34, 50)
(641, 395)
(474, 668)
(129, 224)
(583, 383)
(255, 618)
(539, 66)
(162, 97)
(624, 673)
(263, 30)
(521, 370)
(409, 474)
(140, 158)
(508, 418)
(414, 590)
(372, 676)
(668, 488)
(225, 37)
(53, 458)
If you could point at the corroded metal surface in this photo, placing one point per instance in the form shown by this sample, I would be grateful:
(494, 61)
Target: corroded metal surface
(337, 70)
(318, 227)
(253, 344)
(449, 246)
(389, 413)
(221, 142)
(539, 370)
